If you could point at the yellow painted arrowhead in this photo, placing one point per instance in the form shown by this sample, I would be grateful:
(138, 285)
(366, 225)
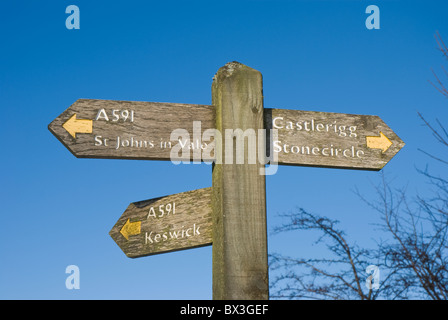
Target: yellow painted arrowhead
(382, 142)
(74, 126)
(131, 228)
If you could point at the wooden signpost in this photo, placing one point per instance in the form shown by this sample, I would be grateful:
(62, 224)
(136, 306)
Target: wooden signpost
(142, 130)
(239, 191)
(232, 214)
(112, 129)
(338, 140)
(176, 222)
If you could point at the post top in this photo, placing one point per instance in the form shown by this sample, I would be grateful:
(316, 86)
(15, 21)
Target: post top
(230, 68)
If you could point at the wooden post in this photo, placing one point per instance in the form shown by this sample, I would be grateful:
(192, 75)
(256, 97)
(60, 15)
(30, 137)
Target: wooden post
(240, 266)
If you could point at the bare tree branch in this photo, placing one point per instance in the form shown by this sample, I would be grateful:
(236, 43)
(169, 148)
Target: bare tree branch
(413, 256)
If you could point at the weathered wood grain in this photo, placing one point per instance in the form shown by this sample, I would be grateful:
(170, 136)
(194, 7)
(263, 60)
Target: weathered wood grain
(188, 224)
(323, 139)
(305, 138)
(240, 266)
(147, 137)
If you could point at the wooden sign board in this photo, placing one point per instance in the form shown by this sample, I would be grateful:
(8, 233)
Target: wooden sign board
(176, 222)
(113, 129)
(142, 130)
(338, 140)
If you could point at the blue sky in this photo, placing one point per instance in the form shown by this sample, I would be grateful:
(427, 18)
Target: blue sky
(57, 210)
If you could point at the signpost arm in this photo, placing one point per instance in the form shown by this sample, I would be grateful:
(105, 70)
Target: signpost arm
(240, 266)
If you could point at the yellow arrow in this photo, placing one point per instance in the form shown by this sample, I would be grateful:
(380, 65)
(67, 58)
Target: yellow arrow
(131, 228)
(382, 142)
(74, 126)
